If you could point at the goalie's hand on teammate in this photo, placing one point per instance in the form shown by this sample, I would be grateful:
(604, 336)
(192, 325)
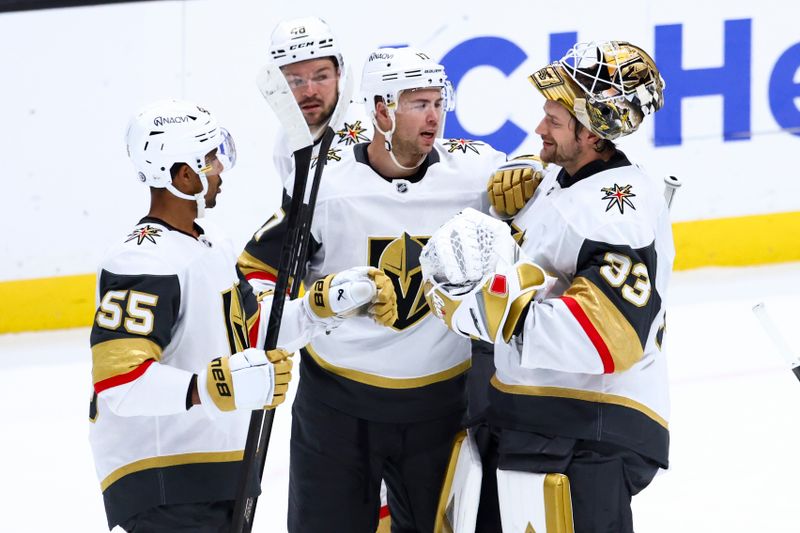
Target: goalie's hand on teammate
(359, 291)
(513, 184)
(250, 379)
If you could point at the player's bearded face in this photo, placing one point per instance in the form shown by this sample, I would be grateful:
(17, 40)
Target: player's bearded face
(419, 113)
(315, 87)
(557, 131)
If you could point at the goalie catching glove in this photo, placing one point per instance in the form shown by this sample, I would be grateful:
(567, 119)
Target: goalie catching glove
(513, 184)
(250, 379)
(477, 280)
(359, 291)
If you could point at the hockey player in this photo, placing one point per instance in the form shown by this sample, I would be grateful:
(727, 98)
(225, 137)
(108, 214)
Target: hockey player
(310, 58)
(378, 402)
(581, 386)
(177, 343)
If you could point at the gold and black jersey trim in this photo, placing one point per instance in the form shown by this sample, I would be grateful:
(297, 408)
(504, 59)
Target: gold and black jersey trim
(383, 382)
(180, 478)
(577, 394)
(170, 460)
(371, 397)
(248, 264)
(615, 340)
(115, 361)
(580, 414)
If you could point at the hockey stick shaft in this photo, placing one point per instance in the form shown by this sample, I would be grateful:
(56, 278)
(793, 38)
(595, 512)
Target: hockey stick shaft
(244, 509)
(777, 339)
(302, 240)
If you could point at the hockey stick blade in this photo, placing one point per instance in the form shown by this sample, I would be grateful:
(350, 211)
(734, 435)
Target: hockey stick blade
(276, 92)
(777, 339)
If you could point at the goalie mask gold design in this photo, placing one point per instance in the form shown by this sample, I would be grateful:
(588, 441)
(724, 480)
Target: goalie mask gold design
(609, 86)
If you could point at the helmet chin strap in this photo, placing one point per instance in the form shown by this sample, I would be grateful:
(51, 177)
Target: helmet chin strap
(388, 142)
(200, 197)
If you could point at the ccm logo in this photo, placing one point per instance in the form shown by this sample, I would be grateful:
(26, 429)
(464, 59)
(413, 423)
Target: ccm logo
(219, 377)
(301, 45)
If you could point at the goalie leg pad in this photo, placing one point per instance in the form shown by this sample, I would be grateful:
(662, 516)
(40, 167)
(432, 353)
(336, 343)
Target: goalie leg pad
(460, 496)
(531, 502)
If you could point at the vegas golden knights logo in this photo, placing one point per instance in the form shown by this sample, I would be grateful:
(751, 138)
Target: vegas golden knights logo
(399, 258)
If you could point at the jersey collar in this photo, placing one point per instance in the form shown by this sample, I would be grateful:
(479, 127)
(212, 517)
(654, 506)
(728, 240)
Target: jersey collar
(154, 220)
(618, 159)
(360, 153)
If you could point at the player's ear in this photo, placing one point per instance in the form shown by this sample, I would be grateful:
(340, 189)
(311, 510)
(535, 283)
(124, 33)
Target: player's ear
(382, 114)
(183, 178)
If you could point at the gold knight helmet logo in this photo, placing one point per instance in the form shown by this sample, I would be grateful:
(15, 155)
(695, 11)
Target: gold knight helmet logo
(398, 257)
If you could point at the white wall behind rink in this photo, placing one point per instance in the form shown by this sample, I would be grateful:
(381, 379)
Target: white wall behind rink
(71, 78)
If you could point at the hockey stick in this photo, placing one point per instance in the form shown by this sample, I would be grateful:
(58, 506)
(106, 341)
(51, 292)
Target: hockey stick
(275, 90)
(301, 240)
(277, 93)
(778, 340)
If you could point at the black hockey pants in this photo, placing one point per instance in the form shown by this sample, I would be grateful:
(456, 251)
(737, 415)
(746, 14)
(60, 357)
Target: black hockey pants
(337, 462)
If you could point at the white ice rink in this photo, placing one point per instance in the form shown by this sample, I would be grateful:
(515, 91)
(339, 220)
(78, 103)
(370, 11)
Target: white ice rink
(735, 422)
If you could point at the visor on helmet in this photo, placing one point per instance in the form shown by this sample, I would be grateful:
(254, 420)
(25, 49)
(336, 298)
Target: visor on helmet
(226, 151)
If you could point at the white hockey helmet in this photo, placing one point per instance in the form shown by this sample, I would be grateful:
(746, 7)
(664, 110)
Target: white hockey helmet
(609, 86)
(175, 131)
(390, 71)
(302, 39)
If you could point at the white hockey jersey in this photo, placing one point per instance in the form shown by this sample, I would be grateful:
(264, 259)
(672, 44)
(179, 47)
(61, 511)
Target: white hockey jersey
(589, 362)
(168, 303)
(414, 370)
(355, 127)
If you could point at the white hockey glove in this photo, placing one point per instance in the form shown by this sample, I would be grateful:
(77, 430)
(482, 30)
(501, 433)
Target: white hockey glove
(359, 291)
(513, 184)
(250, 379)
(477, 280)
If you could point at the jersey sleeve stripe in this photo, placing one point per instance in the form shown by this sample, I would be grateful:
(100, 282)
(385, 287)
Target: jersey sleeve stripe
(253, 326)
(122, 379)
(114, 361)
(266, 276)
(619, 339)
(591, 332)
(248, 264)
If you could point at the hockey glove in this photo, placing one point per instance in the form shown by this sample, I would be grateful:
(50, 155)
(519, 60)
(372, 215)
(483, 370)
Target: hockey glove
(250, 379)
(477, 280)
(513, 184)
(359, 291)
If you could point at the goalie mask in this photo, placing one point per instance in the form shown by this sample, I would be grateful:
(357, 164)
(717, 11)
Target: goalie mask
(173, 131)
(609, 86)
(390, 71)
(477, 279)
